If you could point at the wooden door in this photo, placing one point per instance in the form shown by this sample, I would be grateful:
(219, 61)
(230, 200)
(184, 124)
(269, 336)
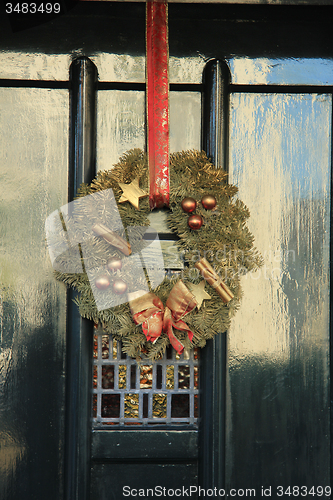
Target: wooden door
(264, 420)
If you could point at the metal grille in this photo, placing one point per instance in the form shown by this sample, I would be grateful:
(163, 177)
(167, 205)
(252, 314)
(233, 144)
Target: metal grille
(127, 393)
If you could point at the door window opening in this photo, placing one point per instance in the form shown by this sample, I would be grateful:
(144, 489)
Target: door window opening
(128, 393)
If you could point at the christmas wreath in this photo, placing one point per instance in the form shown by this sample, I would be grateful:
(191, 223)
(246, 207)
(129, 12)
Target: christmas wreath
(109, 264)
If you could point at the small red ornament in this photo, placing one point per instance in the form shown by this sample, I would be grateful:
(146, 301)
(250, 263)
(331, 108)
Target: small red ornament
(195, 222)
(119, 287)
(189, 205)
(208, 202)
(102, 282)
(114, 264)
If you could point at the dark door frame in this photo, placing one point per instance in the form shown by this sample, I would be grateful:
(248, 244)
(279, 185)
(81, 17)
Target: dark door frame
(209, 442)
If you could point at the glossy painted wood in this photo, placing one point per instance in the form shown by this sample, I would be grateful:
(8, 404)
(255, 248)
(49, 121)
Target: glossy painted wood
(142, 479)
(198, 33)
(138, 444)
(213, 357)
(277, 405)
(120, 121)
(278, 368)
(82, 164)
(215, 112)
(33, 171)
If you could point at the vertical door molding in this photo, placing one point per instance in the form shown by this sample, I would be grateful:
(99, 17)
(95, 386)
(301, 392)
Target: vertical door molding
(82, 161)
(215, 115)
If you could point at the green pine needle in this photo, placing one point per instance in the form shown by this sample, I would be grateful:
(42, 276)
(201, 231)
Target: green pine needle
(224, 240)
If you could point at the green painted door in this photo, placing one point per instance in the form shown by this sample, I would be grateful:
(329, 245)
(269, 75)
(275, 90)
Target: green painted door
(264, 419)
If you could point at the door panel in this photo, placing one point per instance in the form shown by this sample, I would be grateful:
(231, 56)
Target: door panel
(156, 480)
(33, 172)
(270, 70)
(120, 126)
(121, 123)
(278, 346)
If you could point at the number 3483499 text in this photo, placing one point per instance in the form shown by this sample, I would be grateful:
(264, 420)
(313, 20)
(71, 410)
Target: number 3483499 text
(32, 8)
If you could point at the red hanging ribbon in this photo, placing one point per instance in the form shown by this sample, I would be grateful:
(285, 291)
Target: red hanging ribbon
(148, 311)
(157, 59)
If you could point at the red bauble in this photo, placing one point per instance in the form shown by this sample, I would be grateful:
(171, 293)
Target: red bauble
(119, 287)
(195, 222)
(208, 202)
(189, 205)
(102, 282)
(114, 264)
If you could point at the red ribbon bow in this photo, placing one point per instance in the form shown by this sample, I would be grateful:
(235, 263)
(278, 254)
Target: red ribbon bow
(148, 311)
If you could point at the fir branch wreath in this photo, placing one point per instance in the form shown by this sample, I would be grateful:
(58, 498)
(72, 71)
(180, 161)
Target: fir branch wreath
(224, 240)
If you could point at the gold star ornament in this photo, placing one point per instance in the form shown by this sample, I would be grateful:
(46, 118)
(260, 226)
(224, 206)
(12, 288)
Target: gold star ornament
(199, 292)
(132, 193)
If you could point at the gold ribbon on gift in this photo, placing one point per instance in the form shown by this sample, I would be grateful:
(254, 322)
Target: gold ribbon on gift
(214, 280)
(149, 312)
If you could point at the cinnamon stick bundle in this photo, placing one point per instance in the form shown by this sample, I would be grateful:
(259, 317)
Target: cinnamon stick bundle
(112, 238)
(214, 280)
